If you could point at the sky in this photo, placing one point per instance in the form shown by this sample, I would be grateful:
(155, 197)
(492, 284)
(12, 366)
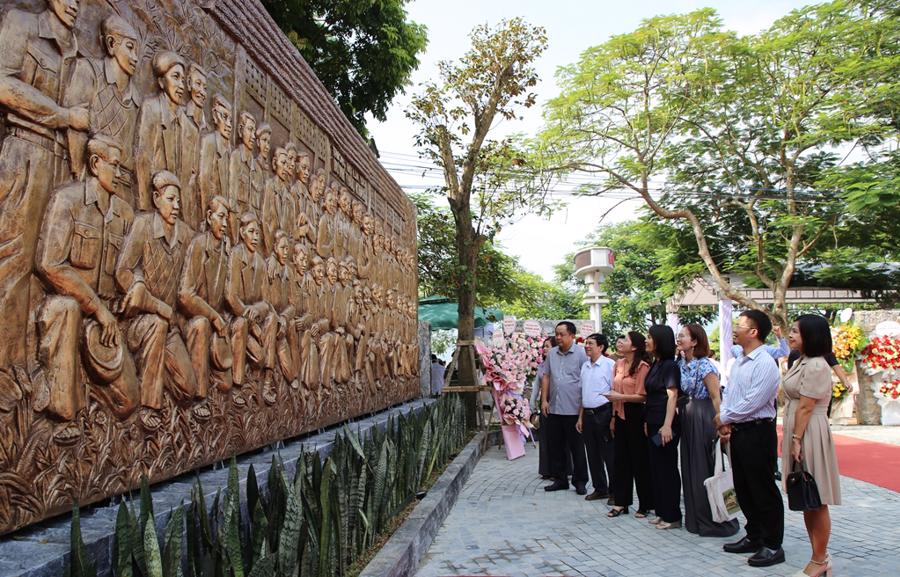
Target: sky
(572, 26)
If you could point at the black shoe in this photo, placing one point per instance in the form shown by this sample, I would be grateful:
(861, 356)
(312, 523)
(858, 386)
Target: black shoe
(777, 475)
(557, 486)
(745, 545)
(765, 557)
(581, 489)
(596, 496)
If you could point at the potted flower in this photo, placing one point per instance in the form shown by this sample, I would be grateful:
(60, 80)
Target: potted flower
(882, 357)
(888, 395)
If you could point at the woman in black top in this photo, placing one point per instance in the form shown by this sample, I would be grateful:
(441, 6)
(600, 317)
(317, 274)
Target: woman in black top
(662, 384)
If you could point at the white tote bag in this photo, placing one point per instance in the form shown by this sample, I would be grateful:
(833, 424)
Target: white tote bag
(720, 490)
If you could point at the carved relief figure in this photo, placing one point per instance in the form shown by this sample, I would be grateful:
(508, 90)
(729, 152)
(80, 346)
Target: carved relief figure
(215, 157)
(201, 299)
(264, 144)
(312, 340)
(159, 142)
(38, 52)
(280, 277)
(244, 172)
(111, 98)
(325, 241)
(148, 272)
(301, 293)
(302, 199)
(342, 224)
(278, 207)
(193, 207)
(81, 236)
(254, 326)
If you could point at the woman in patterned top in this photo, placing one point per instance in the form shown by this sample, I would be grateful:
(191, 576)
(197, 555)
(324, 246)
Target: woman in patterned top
(700, 383)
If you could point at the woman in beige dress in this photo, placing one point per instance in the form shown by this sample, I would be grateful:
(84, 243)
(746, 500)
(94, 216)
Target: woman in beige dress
(807, 435)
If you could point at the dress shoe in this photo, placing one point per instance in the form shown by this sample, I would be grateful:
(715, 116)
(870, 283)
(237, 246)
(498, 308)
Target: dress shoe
(557, 486)
(745, 545)
(765, 557)
(596, 496)
(581, 489)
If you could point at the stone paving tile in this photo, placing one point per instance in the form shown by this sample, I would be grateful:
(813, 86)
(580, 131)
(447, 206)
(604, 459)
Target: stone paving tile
(504, 523)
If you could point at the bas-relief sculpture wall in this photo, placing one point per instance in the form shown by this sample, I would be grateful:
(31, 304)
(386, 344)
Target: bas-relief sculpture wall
(198, 256)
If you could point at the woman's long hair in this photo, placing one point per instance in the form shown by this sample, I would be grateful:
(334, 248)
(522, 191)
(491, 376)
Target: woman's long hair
(640, 351)
(663, 342)
(816, 335)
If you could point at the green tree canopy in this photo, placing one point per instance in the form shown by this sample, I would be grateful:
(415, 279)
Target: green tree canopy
(730, 138)
(363, 51)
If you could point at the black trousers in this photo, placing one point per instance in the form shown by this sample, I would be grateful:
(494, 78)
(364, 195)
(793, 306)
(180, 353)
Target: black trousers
(664, 474)
(753, 452)
(632, 467)
(599, 445)
(564, 438)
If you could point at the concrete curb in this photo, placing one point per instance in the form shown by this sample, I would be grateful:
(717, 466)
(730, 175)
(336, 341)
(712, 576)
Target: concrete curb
(400, 556)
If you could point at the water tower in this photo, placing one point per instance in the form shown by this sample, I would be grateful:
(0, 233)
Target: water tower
(592, 265)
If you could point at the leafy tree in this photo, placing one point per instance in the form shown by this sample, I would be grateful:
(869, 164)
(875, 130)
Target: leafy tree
(539, 299)
(363, 51)
(741, 129)
(455, 114)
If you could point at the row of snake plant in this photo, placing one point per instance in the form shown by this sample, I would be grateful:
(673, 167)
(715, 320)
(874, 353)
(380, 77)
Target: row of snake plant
(317, 523)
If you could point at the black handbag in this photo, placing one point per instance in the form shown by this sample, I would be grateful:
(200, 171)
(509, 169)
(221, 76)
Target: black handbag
(803, 494)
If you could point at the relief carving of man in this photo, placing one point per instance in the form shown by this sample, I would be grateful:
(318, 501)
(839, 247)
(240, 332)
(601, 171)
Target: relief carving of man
(255, 325)
(148, 272)
(201, 299)
(278, 206)
(193, 210)
(215, 158)
(112, 99)
(159, 142)
(81, 236)
(301, 295)
(264, 144)
(279, 280)
(245, 193)
(342, 224)
(325, 241)
(37, 53)
(302, 199)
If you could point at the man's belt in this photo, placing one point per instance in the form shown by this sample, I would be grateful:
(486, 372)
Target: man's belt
(51, 145)
(751, 424)
(593, 410)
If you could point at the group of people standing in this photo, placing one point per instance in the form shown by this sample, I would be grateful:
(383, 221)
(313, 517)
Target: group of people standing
(628, 418)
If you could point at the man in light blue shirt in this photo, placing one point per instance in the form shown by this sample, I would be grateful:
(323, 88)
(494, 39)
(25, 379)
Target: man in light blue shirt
(745, 420)
(561, 404)
(596, 413)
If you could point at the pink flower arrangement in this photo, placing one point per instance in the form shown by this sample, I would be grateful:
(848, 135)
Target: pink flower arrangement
(508, 366)
(515, 411)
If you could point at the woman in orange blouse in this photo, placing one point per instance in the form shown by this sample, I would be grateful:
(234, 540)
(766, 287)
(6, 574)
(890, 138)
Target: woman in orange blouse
(632, 466)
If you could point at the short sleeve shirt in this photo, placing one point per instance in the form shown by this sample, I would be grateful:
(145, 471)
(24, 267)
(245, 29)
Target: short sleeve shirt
(564, 369)
(692, 374)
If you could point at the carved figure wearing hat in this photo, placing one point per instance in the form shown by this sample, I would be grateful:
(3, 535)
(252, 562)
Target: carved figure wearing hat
(81, 237)
(149, 272)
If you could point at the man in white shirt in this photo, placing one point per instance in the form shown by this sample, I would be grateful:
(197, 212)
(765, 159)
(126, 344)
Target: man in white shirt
(595, 414)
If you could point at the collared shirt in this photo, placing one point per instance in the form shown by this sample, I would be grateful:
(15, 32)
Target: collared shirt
(151, 257)
(564, 370)
(782, 350)
(752, 388)
(596, 379)
(202, 289)
(79, 243)
(628, 384)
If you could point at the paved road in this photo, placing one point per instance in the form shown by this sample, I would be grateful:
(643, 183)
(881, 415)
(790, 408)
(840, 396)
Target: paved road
(504, 524)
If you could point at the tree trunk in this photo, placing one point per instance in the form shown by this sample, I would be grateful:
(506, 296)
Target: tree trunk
(467, 252)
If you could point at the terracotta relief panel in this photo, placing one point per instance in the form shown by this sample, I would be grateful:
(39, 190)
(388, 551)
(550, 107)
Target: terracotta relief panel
(192, 265)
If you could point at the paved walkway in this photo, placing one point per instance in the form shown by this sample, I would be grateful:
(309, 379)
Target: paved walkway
(504, 524)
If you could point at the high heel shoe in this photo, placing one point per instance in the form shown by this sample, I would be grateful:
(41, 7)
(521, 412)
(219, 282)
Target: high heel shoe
(824, 569)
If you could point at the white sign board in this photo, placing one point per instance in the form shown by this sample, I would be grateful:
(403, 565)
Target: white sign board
(532, 328)
(509, 325)
(497, 339)
(887, 329)
(845, 315)
(586, 328)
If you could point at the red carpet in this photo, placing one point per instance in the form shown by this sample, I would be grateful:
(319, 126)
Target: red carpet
(869, 461)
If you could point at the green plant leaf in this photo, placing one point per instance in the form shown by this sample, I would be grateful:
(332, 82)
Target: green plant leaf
(122, 562)
(151, 550)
